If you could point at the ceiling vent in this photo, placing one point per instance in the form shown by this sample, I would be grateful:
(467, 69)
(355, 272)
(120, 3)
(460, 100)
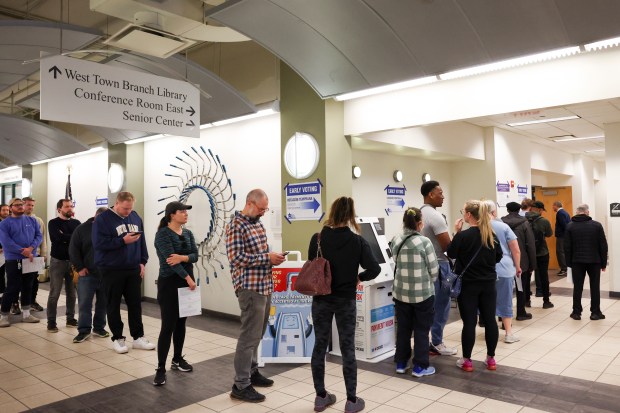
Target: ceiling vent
(149, 41)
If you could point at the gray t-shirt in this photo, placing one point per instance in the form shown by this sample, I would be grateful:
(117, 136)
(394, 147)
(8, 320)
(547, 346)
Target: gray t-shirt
(434, 224)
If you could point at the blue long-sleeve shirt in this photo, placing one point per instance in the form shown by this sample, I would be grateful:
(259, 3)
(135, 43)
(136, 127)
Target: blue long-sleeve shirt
(17, 233)
(111, 252)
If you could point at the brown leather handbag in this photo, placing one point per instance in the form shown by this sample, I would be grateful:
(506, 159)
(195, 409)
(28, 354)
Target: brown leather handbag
(315, 277)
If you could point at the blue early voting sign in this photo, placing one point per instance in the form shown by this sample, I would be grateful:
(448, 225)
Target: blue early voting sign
(303, 201)
(394, 199)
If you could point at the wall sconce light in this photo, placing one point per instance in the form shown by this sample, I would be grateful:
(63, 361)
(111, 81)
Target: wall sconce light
(426, 177)
(398, 175)
(357, 171)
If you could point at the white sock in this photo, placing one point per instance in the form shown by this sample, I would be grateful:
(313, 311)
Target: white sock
(4, 316)
(26, 313)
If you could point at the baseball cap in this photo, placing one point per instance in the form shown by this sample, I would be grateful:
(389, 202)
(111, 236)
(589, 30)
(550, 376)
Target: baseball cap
(539, 205)
(175, 206)
(513, 206)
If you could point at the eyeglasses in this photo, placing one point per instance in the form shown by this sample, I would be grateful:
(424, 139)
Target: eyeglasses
(259, 208)
(461, 211)
(16, 205)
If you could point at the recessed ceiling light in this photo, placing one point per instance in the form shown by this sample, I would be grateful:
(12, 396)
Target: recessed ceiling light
(573, 138)
(545, 120)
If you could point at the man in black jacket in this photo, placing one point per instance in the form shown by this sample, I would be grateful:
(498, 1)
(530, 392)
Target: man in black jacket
(585, 247)
(525, 237)
(82, 257)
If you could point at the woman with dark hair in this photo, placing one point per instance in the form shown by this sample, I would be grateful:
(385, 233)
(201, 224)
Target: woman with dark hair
(414, 294)
(478, 246)
(176, 250)
(346, 251)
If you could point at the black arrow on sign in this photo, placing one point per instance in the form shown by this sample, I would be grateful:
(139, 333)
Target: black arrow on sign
(191, 111)
(191, 123)
(55, 70)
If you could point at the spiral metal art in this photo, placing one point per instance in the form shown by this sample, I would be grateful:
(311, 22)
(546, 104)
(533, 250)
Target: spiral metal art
(201, 170)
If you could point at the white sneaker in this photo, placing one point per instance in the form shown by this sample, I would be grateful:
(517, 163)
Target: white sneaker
(143, 344)
(442, 349)
(119, 346)
(511, 339)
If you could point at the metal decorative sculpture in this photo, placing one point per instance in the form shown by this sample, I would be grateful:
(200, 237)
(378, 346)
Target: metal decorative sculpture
(203, 171)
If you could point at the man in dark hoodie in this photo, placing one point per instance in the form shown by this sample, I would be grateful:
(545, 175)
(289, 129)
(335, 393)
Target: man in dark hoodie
(82, 257)
(542, 229)
(120, 255)
(585, 247)
(525, 237)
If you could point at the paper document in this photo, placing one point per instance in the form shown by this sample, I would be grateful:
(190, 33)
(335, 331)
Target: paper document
(37, 264)
(189, 302)
(519, 284)
(2, 260)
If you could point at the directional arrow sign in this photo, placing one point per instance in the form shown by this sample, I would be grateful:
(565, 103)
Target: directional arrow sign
(303, 201)
(88, 93)
(394, 198)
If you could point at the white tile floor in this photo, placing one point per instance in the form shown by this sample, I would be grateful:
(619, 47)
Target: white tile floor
(37, 367)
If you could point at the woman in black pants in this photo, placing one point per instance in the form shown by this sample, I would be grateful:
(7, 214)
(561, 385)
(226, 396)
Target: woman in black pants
(345, 251)
(176, 250)
(479, 246)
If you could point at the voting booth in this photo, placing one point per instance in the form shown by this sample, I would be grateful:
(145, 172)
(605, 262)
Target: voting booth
(375, 334)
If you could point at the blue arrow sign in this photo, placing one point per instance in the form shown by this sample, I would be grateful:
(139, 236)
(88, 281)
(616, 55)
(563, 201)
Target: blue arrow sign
(396, 201)
(313, 205)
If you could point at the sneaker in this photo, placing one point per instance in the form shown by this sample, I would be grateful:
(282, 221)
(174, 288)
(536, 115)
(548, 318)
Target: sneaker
(526, 316)
(575, 316)
(119, 346)
(548, 304)
(247, 395)
(81, 337)
(511, 338)
(181, 365)
(597, 316)
(442, 350)
(259, 380)
(358, 406)
(562, 273)
(465, 364)
(490, 363)
(101, 333)
(160, 376)
(4, 322)
(51, 328)
(71, 322)
(142, 344)
(36, 307)
(321, 403)
(30, 319)
(418, 371)
(15, 309)
(401, 368)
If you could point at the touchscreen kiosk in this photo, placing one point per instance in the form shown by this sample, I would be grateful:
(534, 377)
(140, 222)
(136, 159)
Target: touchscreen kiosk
(373, 232)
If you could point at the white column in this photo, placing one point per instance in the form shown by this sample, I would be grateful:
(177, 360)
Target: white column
(583, 185)
(612, 162)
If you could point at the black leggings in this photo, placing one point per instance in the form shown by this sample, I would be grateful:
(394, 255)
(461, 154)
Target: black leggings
(171, 325)
(478, 296)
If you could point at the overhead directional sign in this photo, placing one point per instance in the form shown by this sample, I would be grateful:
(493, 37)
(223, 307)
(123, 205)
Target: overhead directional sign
(303, 201)
(394, 199)
(88, 93)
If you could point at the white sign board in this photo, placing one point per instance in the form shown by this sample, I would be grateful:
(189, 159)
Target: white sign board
(303, 201)
(88, 93)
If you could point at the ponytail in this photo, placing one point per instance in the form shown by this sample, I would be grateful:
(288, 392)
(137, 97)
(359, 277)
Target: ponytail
(484, 224)
(163, 222)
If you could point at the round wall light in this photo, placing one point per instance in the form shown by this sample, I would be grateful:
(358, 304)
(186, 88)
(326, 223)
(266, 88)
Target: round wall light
(116, 177)
(357, 171)
(426, 177)
(301, 155)
(398, 175)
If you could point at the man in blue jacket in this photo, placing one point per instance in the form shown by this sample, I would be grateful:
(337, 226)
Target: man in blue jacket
(120, 255)
(20, 236)
(562, 218)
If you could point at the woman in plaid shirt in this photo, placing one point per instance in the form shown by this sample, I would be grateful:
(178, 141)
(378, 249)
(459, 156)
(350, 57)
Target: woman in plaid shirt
(414, 294)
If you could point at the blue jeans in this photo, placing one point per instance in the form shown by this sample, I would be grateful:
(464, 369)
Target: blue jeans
(90, 286)
(442, 305)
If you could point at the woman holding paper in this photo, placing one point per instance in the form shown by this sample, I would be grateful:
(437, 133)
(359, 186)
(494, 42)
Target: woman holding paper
(176, 250)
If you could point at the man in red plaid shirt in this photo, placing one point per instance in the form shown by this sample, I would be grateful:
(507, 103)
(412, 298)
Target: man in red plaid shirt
(250, 267)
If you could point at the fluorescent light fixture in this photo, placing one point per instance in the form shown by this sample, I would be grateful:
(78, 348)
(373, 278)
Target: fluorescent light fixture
(387, 88)
(545, 120)
(92, 150)
(259, 114)
(595, 150)
(10, 168)
(573, 138)
(603, 44)
(506, 64)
